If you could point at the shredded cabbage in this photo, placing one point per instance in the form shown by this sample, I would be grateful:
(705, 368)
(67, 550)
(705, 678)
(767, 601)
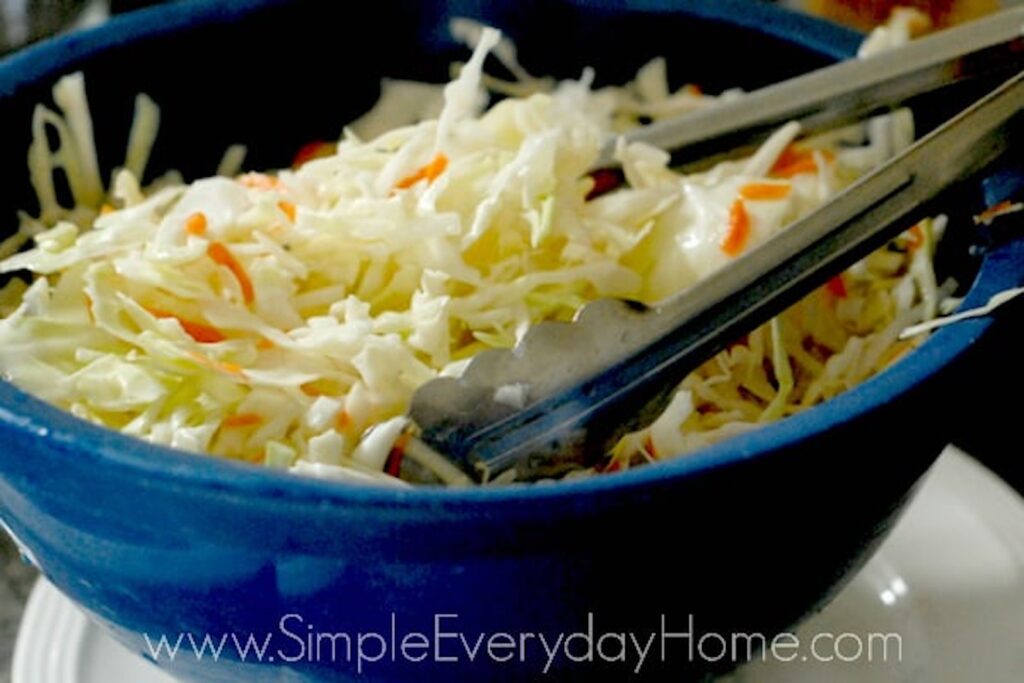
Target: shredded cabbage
(287, 318)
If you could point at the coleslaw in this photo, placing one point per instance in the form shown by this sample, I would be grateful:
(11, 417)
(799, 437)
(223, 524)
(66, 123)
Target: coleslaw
(286, 318)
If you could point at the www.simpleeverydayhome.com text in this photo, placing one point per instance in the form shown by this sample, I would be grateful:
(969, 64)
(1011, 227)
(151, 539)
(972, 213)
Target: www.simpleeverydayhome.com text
(450, 641)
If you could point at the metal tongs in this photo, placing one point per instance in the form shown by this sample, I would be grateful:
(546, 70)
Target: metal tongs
(569, 391)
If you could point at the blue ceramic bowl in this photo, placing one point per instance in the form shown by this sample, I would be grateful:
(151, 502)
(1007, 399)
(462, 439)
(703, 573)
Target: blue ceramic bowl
(749, 535)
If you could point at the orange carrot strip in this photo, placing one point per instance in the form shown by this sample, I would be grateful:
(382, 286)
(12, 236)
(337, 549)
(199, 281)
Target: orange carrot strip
(288, 208)
(435, 168)
(742, 341)
(196, 224)
(393, 465)
(837, 287)
(765, 191)
(105, 209)
(310, 390)
(402, 442)
(739, 229)
(613, 466)
(226, 367)
(798, 168)
(430, 172)
(793, 162)
(204, 334)
(915, 238)
(312, 150)
(264, 344)
(789, 156)
(221, 255)
(242, 420)
(229, 367)
(995, 211)
(605, 180)
(343, 421)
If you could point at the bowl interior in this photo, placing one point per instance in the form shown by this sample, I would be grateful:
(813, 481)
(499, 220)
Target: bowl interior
(275, 75)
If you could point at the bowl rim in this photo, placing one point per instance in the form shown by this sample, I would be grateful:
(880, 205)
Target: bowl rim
(33, 418)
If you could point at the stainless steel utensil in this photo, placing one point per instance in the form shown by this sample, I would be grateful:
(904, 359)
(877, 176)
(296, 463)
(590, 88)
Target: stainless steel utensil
(844, 92)
(569, 391)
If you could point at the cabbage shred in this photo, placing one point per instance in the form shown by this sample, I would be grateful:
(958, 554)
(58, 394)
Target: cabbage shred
(287, 318)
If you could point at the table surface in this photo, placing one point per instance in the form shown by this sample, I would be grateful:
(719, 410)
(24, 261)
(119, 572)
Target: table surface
(16, 579)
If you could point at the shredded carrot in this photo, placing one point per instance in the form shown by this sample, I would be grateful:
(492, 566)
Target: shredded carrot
(196, 224)
(765, 191)
(741, 342)
(105, 209)
(605, 180)
(739, 229)
(837, 287)
(288, 208)
(695, 89)
(793, 162)
(342, 421)
(260, 181)
(226, 367)
(264, 344)
(221, 255)
(312, 150)
(393, 465)
(789, 156)
(613, 466)
(649, 447)
(402, 442)
(915, 238)
(798, 168)
(242, 420)
(229, 367)
(204, 334)
(255, 457)
(309, 389)
(430, 172)
(995, 211)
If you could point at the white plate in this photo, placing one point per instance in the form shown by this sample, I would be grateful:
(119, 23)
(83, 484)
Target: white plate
(949, 582)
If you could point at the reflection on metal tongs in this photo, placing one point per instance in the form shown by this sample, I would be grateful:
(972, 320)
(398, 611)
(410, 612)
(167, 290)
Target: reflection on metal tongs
(569, 391)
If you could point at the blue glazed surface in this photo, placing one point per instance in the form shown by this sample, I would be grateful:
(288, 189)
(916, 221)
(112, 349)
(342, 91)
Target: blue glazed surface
(748, 535)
